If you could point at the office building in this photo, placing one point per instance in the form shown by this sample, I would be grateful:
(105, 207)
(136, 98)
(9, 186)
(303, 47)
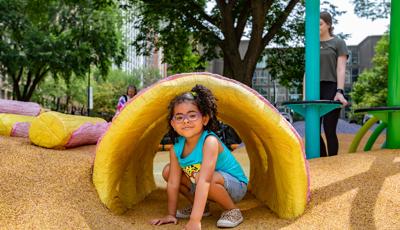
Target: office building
(135, 61)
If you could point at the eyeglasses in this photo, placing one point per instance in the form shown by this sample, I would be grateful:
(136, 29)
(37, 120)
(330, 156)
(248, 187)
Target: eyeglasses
(191, 116)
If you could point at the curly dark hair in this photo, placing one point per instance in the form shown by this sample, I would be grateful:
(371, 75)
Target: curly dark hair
(203, 98)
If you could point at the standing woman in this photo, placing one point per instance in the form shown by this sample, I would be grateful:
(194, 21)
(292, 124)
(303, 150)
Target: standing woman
(333, 57)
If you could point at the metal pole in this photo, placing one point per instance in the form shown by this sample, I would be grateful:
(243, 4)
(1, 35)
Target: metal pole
(312, 78)
(88, 95)
(393, 129)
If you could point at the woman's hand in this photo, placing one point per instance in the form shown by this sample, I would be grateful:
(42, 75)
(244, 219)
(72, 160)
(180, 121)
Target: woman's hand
(193, 225)
(165, 220)
(340, 97)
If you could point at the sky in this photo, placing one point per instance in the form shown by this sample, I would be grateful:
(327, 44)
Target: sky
(358, 28)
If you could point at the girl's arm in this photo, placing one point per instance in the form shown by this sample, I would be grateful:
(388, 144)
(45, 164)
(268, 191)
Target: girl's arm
(173, 184)
(210, 155)
(341, 74)
(174, 181)
(120, 104)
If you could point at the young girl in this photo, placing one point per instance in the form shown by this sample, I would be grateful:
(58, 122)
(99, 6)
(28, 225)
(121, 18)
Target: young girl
(131, 91)
(201, 167)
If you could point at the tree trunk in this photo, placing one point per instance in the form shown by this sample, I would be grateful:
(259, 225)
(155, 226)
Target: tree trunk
(57, 104)
(38, 77)
(241, 70)
(67, 104)
(16, 95)
(32, 79)
(242, 67)
(237, 72)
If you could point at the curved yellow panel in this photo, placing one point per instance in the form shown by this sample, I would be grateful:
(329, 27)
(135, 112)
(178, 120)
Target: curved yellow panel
(7, 122)
(124, 158)
(53, 129)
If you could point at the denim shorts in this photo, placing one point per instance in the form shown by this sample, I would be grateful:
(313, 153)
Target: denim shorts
(236, 189)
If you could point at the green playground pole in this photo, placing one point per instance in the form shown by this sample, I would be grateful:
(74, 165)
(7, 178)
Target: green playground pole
(312, 78)
(360, 134)
(393, 129)
(371, 141)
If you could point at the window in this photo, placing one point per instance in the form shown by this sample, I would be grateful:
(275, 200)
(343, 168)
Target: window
(354, 58)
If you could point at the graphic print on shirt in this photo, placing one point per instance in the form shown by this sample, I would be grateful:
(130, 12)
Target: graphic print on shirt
(191, 171)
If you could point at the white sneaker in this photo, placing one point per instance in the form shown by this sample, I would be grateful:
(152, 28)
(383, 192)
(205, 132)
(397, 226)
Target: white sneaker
(184, 213)
(230, 218)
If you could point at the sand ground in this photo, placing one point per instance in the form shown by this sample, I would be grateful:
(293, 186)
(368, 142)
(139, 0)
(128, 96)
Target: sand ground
(51, 189)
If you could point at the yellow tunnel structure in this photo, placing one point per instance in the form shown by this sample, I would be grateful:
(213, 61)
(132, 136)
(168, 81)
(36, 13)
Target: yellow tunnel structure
(123, 167)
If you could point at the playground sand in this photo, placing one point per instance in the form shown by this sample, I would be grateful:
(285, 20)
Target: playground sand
(51, 189)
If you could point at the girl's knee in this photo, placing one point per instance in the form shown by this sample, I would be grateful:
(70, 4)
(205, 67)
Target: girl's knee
(165, 172)
(217, 179)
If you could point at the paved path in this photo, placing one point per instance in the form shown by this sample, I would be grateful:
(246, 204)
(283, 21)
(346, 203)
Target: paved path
(342, 127)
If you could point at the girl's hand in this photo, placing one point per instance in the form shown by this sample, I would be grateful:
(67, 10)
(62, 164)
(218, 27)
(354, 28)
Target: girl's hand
(165, 220)
(193, 225)
(340, 97)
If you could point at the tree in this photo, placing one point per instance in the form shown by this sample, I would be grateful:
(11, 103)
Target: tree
(215, 29)
(372, 9)
(64, 95)
(189, 61)
(70, 96)
(40, 37)
(174, 24)
(287, 65)
(107, 90)
(150, 76)
(370, 90)
(49, 93)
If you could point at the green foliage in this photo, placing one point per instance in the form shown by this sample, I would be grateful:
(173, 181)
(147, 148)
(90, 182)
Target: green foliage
(150, 76)
(70, 96)
(372, 9)
(214, 29)
(287, 65)
(167, 24)
(39, 37)
(119, 78)
(190, 61)
(370, 90)
(58, 94)
(108, 90)
(105, 99)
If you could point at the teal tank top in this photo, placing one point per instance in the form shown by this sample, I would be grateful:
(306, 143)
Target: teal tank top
(191, 164)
